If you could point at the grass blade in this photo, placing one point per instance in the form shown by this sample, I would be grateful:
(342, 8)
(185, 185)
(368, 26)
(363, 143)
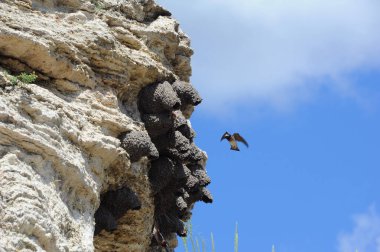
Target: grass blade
(190, 228)
(184, 240)
(212, 243)
(236, 238)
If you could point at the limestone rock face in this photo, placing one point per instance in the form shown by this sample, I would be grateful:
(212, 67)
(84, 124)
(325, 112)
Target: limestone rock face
(75, 146)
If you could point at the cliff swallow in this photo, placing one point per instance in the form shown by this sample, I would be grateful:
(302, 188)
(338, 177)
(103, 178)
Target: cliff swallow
(232, 139)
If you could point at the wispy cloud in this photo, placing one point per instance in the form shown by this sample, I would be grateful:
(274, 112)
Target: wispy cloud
(280, 51)
(365, 235)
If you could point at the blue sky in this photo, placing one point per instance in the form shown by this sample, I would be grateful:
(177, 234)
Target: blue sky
(301, 82)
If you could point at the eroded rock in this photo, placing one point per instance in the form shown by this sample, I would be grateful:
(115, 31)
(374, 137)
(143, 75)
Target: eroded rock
(64, 146)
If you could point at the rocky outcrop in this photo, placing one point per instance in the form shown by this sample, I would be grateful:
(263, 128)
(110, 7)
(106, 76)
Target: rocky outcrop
(98, 150)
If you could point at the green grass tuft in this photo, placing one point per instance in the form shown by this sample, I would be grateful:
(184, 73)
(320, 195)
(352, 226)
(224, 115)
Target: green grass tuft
(23, 78)
(197, 242)
(195, 246)
(184, 240)
(13, 79)
(27, 78)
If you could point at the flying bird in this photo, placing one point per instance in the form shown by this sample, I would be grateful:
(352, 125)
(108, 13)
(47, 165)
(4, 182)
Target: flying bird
(232, 140)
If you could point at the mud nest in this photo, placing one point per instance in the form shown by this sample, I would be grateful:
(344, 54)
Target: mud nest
(113, 205)
(177, 174)
(178, 177)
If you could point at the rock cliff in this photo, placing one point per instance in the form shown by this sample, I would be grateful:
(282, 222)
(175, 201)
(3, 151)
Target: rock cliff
(97, 152)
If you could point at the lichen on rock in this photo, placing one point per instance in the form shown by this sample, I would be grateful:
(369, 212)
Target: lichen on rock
(98, 150)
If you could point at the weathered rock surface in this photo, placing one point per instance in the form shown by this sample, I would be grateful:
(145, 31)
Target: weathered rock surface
(69, 142)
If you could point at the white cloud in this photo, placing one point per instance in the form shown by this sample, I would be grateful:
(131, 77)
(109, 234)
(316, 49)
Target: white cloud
(365, 236)
(279, 51)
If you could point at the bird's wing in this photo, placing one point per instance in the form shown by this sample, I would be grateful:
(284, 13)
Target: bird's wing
(240, 139)
(224, 136)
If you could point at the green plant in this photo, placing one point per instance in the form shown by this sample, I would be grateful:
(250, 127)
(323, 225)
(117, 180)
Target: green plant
(23, 77)
(27, 78)
(212, 243)
(236, 243)
(189, 228)
(197, 242)
(184, 240)
(195, 246)
(13, 79)
(98, 6)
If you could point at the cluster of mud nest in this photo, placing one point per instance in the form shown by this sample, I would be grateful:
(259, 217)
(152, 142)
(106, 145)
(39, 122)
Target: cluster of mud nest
(177, 174)
(177, 177)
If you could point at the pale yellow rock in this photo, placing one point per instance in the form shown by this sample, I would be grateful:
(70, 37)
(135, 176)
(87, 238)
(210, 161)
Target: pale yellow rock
(59, 146)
